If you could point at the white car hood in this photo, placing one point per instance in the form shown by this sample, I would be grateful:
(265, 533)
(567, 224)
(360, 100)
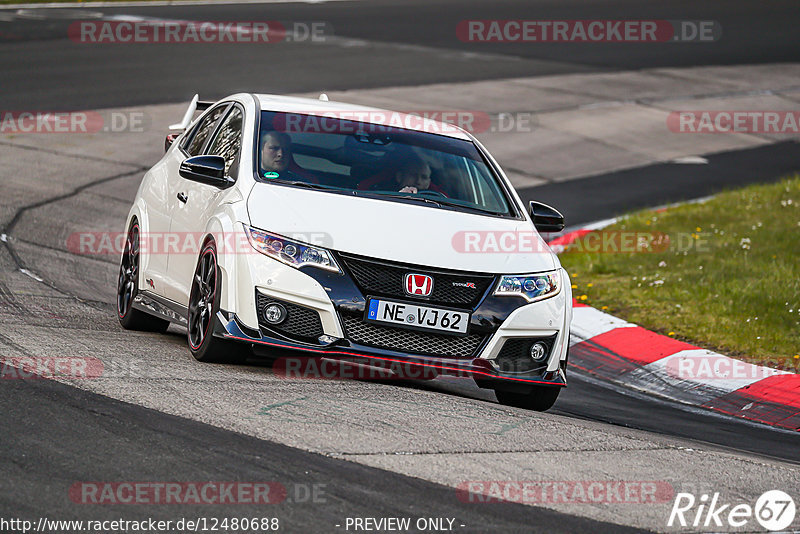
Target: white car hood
(397, 231)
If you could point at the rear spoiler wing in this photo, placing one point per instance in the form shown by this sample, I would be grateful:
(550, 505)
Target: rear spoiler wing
(195, 105)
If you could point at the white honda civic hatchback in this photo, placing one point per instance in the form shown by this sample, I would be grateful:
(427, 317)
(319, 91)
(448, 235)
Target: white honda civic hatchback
(349, 233)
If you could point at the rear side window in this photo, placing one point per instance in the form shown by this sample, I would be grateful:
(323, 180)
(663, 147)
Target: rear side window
(228, 141)
(203, 130)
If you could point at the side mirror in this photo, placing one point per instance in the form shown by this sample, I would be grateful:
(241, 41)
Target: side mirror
(206, 170)
(546, 218)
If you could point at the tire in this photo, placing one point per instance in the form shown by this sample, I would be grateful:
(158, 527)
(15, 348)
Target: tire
(540, 399)
(204, 300)
(128, 286)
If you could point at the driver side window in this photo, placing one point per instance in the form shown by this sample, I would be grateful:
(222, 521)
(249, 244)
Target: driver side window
(228, 141)
(203, 130)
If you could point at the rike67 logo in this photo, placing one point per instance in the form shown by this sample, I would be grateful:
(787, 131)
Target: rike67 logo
(774, 510)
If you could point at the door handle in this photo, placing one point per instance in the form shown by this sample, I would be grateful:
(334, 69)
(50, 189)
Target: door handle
(183, 197)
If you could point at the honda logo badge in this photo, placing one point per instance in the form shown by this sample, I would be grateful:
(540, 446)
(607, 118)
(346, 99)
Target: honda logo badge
(420, 285)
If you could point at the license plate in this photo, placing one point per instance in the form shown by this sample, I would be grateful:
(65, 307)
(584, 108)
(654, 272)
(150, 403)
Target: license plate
(411, 315)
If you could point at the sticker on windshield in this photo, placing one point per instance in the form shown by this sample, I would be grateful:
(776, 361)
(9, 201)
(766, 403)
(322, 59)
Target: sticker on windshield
(271, 175)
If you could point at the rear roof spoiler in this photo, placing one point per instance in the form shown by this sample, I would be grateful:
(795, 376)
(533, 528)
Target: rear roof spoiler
(195, 105)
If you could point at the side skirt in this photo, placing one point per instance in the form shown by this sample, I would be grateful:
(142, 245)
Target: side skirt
(161, 307)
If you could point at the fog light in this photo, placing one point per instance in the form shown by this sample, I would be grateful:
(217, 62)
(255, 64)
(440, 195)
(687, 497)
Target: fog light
(274, 313)
(538, 351)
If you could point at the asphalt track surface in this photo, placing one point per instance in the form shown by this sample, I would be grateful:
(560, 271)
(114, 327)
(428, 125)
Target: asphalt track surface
(664, 183)
(162, 447)
(62, 434)
(377, 43)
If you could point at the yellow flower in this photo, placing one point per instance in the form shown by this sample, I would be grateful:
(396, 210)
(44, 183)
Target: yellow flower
(797, 356)
(647, 223)
(698, 229)
(604, 308)
(589, 284)
(671, 334)
(573, 275)
(574, 286)
(583, 297)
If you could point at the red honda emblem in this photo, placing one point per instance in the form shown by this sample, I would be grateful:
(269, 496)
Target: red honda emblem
(419, 284)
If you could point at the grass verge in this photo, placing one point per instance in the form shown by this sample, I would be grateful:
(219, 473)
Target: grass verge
(723, 274)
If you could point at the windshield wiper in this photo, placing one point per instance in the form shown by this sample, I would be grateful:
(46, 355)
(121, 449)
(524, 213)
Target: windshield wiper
(445, 202)
(318, 187)
(300, 183)
(438, 201)
(404, 197)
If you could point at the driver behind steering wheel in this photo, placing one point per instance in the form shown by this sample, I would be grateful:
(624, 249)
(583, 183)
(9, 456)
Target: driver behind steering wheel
(413, 175)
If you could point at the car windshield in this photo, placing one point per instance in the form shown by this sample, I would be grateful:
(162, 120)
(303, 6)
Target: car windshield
(377, 161)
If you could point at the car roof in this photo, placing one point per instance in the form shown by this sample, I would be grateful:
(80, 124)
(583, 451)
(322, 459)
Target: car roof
(421, 121)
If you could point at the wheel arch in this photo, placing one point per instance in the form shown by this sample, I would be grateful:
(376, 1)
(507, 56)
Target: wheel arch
(137, 213)
(223, 231)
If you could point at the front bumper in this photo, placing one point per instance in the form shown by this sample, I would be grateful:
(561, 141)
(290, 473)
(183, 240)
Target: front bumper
(227, 326)
(340, 304)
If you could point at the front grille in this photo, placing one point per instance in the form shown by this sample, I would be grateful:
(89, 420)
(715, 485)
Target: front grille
(300, 322)
(410, 341)
(515, 356)
(386, 279)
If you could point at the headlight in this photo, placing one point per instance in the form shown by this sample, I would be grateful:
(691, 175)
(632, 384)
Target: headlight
(290, 252)
(531, 287)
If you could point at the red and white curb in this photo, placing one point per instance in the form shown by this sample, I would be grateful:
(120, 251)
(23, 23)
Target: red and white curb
(615, 350)
(560, 243)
